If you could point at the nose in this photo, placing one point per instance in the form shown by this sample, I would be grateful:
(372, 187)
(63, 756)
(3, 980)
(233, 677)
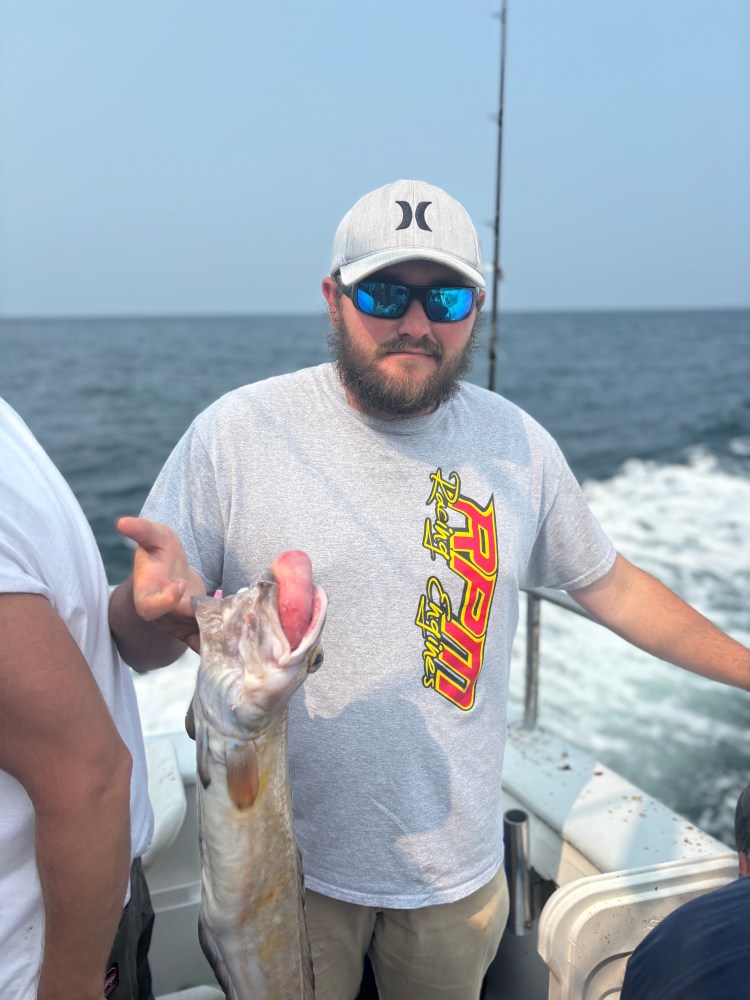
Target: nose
(414, 322)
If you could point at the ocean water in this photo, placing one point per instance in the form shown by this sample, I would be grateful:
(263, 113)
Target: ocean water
(652, 410)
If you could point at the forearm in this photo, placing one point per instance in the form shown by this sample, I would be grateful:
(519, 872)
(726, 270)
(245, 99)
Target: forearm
(141, 643)
(59, 741)
(649, 615)
(672, 630)
(83, 858)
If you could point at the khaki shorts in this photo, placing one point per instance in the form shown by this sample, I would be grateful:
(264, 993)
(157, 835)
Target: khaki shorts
(439, 952)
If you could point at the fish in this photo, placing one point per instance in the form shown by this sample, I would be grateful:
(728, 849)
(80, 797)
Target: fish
(257, 647)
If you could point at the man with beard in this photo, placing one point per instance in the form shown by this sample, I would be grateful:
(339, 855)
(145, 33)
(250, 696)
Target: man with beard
(425, 503)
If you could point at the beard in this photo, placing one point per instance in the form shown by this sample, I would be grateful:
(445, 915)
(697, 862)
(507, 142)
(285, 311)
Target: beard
(382, 395)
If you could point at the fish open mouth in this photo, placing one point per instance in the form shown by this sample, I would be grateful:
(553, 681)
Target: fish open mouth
(300, 603)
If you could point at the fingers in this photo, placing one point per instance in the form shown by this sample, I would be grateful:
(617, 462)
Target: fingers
(150, 534)
(160, 557)
(162, 581)
(159, 566)
(152, 604)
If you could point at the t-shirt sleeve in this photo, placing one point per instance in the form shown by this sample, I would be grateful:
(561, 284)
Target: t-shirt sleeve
(21, 536)
(19, 572)
(571, 550)
(186, 498)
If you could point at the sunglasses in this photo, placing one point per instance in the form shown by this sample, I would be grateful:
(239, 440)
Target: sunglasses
(388, 300)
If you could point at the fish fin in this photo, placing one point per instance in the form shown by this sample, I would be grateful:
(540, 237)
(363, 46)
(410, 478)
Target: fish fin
(207, 611)
(243, 778)
(201, 754)
(211, 950)
(190, 720)
(305, 950)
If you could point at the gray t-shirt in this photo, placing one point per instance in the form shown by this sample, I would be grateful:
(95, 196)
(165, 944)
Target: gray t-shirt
(421, 531)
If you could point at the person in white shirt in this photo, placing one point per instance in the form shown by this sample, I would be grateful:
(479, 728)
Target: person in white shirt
(74, 810)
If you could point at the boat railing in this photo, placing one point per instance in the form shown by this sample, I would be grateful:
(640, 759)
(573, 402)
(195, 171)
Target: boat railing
(534, 598)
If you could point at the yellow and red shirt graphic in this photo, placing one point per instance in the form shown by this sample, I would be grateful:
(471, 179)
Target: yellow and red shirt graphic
(463, 534)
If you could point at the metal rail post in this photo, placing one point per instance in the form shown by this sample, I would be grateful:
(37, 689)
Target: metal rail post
(531, 698)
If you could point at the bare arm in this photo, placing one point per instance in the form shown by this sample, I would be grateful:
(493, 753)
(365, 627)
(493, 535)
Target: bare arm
(58, 739)
(150, 614)
(649, 615)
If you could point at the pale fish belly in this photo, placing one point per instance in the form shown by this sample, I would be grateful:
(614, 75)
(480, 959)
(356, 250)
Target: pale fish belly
(252, 920)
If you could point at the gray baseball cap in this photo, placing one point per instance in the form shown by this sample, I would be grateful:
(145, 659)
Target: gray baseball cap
(406, 220)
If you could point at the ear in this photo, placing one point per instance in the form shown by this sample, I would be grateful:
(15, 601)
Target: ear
(329, 294)
(480, 299)
(744, 864)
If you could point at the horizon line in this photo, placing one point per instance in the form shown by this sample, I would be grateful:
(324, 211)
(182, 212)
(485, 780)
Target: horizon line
(162, 315)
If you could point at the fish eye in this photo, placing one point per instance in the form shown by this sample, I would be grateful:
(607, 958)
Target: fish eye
(316, 658)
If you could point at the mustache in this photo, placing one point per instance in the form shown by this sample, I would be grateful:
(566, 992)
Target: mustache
(399, 345)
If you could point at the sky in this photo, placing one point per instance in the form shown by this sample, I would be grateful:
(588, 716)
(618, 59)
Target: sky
(194, 157)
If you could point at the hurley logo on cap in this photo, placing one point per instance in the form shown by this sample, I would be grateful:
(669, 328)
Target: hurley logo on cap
(391, 225)
(418, 215)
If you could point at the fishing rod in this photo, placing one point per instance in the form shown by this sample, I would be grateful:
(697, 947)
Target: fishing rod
(496, 271)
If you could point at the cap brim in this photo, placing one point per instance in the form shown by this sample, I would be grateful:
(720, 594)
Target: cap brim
(358, 270)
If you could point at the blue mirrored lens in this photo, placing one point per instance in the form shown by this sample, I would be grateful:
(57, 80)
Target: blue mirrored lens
(390, 301)
(379, 298)
(449, 305)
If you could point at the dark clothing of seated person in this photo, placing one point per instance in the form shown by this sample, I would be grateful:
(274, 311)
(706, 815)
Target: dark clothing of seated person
(701, 951)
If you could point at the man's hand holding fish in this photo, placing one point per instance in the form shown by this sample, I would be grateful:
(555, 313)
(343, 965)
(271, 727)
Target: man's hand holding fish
(161, 586)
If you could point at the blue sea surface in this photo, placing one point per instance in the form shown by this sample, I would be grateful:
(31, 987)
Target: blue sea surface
(652, 410)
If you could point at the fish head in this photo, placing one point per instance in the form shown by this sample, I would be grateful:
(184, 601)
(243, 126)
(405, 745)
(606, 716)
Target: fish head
(249, 668)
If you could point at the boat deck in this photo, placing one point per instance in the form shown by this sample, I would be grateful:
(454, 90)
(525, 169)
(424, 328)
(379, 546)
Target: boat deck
(604, 861)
